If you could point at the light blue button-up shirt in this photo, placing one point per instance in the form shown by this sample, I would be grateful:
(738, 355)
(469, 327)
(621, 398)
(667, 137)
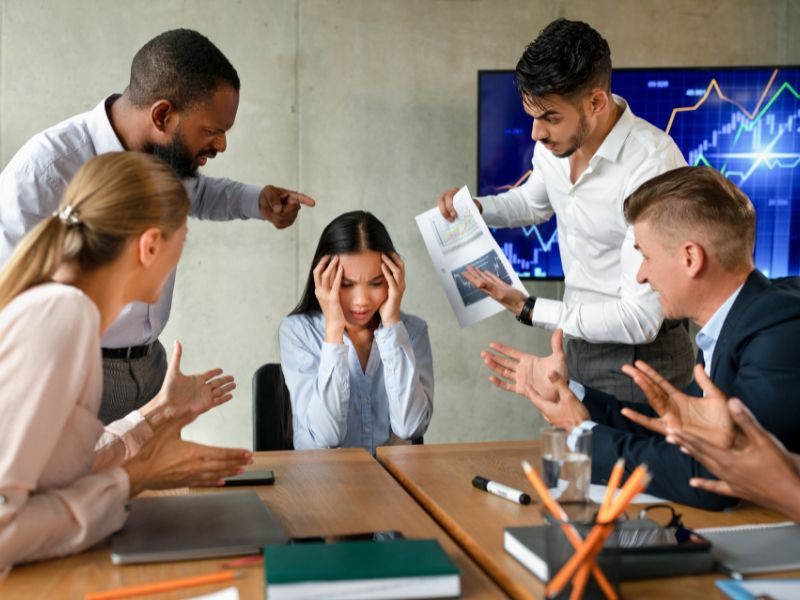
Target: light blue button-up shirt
(707, 337)
(337, 404)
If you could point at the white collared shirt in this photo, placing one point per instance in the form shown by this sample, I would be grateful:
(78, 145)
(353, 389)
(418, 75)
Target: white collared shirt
(709, 334)
(602, 303)
(34, 180)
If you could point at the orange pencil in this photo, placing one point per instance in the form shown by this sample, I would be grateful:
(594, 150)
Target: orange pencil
(579, 583)
(613, 484)
(636, 483)
(607, 529)
(163, 586)
(572, 535)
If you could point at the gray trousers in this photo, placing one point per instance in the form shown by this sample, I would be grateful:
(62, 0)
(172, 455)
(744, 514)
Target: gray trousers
(129, 384)
(599, 365)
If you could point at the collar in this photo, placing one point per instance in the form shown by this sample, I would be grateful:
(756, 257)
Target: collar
(707, 337)
(612, 145)
(104, 138)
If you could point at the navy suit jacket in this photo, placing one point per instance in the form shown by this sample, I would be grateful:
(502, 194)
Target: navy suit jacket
(754, 359)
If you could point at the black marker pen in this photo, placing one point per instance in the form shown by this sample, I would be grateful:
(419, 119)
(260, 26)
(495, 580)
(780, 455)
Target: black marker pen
(498, 489)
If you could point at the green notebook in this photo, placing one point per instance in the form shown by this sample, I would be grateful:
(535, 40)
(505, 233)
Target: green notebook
(363, 569)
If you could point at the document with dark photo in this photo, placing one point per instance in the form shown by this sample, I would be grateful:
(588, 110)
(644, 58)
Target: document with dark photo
(453, 247)
(488, 262)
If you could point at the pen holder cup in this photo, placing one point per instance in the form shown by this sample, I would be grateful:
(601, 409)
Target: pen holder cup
(558, 550)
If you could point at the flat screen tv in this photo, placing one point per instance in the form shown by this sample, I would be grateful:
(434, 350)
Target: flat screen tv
(744, 121)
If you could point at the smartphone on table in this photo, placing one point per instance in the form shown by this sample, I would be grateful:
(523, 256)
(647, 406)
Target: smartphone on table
(251, 478)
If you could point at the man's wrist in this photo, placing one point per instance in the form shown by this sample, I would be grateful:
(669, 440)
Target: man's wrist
(525, 313)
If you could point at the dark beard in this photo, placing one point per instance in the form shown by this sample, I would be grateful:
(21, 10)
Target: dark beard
(577, 140)
(176, 156)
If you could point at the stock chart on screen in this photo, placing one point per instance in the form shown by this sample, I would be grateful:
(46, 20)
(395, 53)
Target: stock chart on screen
(745, 122)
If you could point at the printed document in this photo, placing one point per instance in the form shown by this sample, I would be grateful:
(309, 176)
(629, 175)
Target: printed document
(455, 246)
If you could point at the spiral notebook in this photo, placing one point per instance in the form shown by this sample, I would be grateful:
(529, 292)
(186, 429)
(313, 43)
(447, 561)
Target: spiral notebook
(756, 548)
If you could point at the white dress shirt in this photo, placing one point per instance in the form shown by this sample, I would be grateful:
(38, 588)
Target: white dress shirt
(61, 485)
(602, 303)
(34, 180)
(337, 404)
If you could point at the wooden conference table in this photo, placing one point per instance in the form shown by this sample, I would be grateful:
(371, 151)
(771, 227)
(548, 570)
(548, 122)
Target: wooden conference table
(316, 492)
(440, 478)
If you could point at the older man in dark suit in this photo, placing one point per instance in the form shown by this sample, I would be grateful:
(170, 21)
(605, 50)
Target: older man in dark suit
(695, 230)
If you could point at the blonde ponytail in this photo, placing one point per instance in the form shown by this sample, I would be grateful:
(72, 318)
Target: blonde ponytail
(112, 198)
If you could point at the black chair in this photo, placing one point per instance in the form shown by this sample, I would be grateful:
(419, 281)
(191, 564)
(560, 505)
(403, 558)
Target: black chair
(272, 410)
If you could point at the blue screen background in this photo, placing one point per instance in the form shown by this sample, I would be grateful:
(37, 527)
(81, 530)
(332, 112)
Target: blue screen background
(744, 122)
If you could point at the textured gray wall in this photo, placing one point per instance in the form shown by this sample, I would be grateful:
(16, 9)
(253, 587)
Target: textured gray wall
(362, 104)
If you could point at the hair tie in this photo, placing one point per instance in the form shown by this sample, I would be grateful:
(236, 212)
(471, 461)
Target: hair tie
(67, 215)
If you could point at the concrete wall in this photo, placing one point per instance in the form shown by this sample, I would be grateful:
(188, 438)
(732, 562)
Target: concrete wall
(362, 104)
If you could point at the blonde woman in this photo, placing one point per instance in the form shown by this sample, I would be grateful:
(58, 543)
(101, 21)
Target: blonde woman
(64, 478)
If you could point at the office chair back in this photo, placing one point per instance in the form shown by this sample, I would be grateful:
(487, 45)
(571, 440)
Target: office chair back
(272, 410)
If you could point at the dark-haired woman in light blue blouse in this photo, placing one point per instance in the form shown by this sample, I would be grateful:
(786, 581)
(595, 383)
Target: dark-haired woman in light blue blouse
(359, 371)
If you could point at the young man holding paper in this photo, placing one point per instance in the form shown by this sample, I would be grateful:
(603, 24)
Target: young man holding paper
(591, 153)
(696, 232)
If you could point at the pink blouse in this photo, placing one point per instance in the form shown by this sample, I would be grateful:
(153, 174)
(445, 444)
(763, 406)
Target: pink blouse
(61, 485)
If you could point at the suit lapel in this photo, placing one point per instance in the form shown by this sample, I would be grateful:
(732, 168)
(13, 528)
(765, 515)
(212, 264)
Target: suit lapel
(755, 284)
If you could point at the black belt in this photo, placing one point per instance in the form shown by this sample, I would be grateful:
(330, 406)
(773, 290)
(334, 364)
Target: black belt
(128, 353)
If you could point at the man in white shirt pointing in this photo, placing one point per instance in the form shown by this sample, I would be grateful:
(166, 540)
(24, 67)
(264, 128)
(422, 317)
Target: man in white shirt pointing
(182, 99)
(591, 153)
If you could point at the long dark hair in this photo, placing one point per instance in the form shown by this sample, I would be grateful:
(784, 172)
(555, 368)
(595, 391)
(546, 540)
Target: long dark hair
(349, 233)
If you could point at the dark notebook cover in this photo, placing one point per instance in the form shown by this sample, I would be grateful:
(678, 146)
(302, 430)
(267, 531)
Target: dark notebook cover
(345, 561)
(527, 545)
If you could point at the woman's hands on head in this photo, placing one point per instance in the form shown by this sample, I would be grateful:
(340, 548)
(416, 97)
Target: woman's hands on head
(394, 270)
(167, 461)
(327, 282)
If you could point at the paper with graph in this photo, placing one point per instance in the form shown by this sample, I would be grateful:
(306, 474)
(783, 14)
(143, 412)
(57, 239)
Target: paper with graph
(455, 246)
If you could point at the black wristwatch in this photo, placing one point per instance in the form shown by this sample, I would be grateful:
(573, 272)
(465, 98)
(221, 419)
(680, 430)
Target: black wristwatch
(525, 316)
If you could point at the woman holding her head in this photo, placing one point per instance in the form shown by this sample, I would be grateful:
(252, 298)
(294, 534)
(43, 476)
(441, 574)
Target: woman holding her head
(359, 371)
(64, 478)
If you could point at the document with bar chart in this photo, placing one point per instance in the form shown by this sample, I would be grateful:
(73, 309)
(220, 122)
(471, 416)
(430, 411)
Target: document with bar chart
(455, 246)
(745, 122)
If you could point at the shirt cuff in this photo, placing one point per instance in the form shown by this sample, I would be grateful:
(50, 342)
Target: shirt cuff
(547, 313)
(250, 202)
(578, 389)
(572, 438)
(392, 334)
(489, 211)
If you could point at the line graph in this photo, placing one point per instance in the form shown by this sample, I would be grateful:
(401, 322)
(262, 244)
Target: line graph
(713, 85)
(743, 121)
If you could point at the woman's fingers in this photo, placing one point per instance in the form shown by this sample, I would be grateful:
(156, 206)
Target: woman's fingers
(337, 282)
(317, 272)
(329, 274)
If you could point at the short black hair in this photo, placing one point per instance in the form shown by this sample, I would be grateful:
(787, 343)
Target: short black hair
(181, 66)
(568, 59)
